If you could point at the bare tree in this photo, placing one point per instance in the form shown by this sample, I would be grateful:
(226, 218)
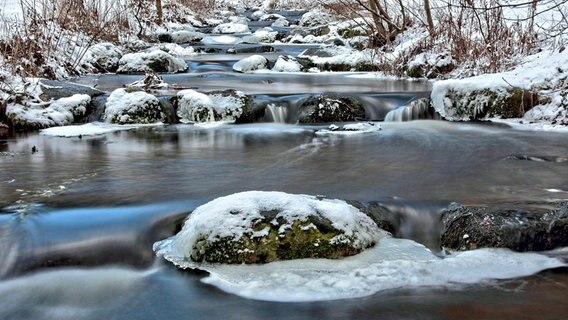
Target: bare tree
(429, 20)
(159, 11)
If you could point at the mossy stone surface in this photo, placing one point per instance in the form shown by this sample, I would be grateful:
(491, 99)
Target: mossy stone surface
(325, 109)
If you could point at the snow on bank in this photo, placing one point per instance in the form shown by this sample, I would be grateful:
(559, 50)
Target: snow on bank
(59, 113)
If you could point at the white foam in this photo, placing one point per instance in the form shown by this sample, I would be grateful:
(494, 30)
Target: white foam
(392, 264)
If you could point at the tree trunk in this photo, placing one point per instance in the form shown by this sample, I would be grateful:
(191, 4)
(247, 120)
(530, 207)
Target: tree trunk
(159, 11)
(378, 22)
(429, 17)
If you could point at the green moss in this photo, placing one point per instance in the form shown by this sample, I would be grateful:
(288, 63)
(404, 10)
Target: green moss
(414, 72)
(158, 65)
(300, 240)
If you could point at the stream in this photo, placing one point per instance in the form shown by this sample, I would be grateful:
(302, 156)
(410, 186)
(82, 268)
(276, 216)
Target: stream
(79, 215)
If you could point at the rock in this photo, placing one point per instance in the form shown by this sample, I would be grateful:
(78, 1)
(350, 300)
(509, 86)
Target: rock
(513, 227)
(124, 107)
(315, 17)
(252, 63)
(197, 107)
(151, 61)
(381, 215)
(53, 90)
(255, 49)
(181, 36)
(415, 70)
(261, 227)
(287, 64)
(323, 108)
(102, 57)
(271, 17)
(61, 112)
(231, 28)
(477, 104)
(265, 35)
(280, 23)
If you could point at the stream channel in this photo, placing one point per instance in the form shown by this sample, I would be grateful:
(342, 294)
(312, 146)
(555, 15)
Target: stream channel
(79, 216)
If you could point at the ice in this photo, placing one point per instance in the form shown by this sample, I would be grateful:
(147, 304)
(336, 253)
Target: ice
(391, 264)
(89, 129)
(141, 61)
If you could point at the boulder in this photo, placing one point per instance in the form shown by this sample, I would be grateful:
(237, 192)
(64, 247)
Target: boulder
(252, 63)
(287, 64)
(323, 108)
(126, 107)
(261, 227)
(315, 17)
(54, 89)
(61, 112)
(151, 61)
(514, 227)
(264, 35)
(231, 28)
(102, 57)
(197, 107)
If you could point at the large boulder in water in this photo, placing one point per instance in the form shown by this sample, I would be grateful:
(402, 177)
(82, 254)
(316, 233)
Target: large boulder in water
(323, 108)
(125, 107)
(197, 107)
(260, 227)
(513, 227)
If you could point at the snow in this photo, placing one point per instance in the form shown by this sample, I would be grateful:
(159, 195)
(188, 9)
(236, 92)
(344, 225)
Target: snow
(176, 50)
(89, 129)
(315, 17)
(230, 28)
(545, 69)
(391, 264)
(340, 55)
(280, 23)
(225, 39)
(59, 113)
(184, 36)
(350, 129)
(140, 61)
(195, 107)
(234, 215)
(102, 55)
(287, 64)
(252, 63)
(121, 105)
(263, 35)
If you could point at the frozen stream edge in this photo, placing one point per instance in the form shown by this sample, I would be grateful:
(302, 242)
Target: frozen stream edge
(391, 264)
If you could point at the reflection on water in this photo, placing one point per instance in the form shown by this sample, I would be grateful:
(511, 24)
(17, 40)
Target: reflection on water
(425, 160)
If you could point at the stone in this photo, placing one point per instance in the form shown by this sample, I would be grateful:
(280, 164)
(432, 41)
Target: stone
(519, 228)
(151, 61)
(324, 108)
(124, 107)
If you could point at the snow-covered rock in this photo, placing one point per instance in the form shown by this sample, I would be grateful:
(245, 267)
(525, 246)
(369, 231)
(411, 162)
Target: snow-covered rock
(261, 35)
(323, 108)
(252, 63)
(197, 107)
(271, 17)
(231, 28)
(315, 17)
(180, 36)
(176, 50)
(287, 64)
(123, 107)
(224, 39)
(280, 23)
(59, 113)
(260, 227)
(151, 61)
(102, 57)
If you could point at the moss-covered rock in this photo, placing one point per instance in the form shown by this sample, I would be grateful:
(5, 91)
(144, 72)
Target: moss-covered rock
(130, 107)
(197, 107)
(151, 61)
(323, 108)
(261, 227)
(514, 227)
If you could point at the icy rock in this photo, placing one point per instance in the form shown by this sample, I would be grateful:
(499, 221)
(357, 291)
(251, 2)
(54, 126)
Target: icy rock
(176, 50)
(252, 63)
(261, 35)
(53, 89)
(260, 227)
(197, 107)
(280, 23)
(102, 57)
(124, 107)
(271, 17)
(456, 101)
(59, 113)
(231, 28)
(180, 36)
(151, 61)
(315, 17)
(514, 227)
(323, 108)
(287, 64)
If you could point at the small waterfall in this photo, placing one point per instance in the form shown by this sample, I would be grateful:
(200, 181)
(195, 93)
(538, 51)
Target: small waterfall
(417, 110)
(276, 113)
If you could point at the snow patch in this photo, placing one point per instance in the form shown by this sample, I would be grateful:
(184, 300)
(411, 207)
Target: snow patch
(89, 129)
(151, 61)
(252, 63)
(231, 28)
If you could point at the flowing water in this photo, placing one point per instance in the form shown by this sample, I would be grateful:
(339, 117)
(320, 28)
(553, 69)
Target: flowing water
(78, 216)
